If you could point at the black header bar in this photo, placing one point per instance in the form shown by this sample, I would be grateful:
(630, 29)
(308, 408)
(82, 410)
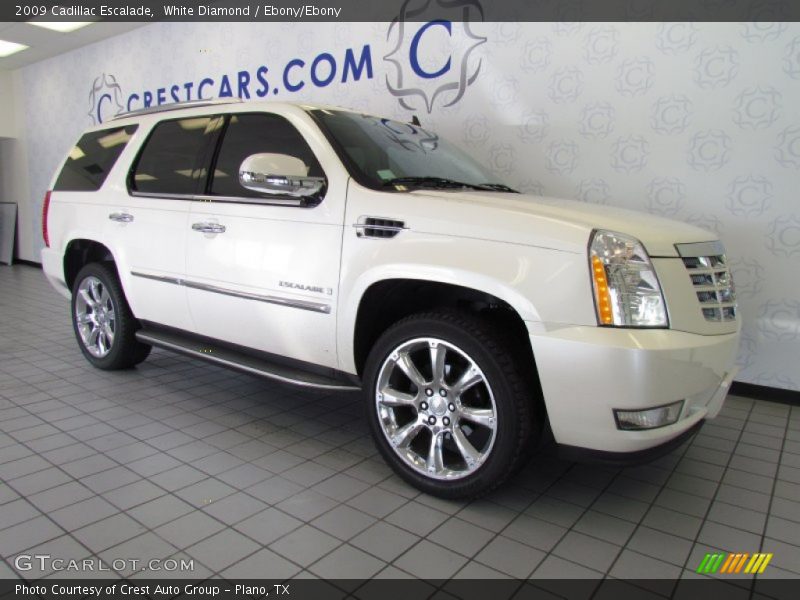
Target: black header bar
(408, 10)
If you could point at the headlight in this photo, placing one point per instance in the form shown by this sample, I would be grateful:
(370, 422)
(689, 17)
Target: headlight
(626, 288)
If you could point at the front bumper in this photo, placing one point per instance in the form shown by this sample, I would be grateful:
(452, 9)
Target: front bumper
(587, 372)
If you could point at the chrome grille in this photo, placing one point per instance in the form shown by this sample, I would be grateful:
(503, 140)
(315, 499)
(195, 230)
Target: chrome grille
(713, 285)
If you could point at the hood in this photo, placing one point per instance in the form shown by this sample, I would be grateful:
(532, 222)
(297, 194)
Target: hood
(543, 221)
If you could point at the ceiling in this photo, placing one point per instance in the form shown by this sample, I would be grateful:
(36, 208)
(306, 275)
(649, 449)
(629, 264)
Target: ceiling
(45, 43)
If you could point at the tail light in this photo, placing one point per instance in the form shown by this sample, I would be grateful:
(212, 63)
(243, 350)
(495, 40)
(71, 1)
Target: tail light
(45, 210)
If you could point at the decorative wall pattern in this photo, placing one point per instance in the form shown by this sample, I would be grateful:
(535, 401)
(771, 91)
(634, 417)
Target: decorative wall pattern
(698, 122)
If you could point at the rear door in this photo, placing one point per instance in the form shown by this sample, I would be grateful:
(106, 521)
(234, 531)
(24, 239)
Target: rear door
(150, 224)
(262, 270)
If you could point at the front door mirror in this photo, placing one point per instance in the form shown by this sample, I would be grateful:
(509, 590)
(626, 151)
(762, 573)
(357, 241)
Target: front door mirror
(269, 173)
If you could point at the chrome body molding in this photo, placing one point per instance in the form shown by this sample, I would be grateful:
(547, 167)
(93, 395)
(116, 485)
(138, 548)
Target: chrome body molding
(697, 249)
(319, 307)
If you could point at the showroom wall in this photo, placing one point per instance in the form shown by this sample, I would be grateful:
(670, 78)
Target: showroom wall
(699, 122)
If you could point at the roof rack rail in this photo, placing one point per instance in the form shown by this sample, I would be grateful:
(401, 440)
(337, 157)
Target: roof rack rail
(175, 106)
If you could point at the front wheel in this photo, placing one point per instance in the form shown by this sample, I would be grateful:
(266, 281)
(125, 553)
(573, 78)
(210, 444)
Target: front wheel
(447, 406)
(103, 322)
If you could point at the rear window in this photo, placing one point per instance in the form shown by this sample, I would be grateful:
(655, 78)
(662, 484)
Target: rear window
(92, 158)
(173, 158)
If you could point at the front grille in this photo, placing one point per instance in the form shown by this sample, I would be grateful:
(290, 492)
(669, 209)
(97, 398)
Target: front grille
(713, 285)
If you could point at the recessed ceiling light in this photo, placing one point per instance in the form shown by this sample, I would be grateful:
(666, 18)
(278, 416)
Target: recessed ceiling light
(62, 26)
(9, 48)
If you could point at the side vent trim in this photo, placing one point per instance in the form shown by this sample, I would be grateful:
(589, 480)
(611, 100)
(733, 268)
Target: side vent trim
(378, 227)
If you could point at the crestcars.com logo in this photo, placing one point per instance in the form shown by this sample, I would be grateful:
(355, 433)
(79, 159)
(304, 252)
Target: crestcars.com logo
(434, 61)
(734, 563)
(105, 98)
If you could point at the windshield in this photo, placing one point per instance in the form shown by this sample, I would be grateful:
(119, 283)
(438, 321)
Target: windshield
(390, 154)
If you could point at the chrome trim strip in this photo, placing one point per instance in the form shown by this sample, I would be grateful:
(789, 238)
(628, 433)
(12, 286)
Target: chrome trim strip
(294, 202)
(143, 337)
(697, 249)
(380, 227)
(319, 307)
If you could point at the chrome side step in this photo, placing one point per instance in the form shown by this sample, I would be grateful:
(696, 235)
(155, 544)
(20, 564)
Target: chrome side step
(240, 361)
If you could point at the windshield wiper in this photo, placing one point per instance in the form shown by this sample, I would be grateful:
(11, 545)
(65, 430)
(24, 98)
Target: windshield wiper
(439, 182)
(499, 187)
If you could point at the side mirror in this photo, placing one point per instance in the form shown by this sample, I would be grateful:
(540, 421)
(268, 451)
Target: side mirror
(269, 173)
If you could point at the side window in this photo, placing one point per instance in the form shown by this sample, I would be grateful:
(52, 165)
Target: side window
(248, 134)
(92, 158)
(173, 158)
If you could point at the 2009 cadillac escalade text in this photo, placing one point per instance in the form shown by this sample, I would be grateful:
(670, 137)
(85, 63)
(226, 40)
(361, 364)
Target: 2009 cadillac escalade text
(342, 251)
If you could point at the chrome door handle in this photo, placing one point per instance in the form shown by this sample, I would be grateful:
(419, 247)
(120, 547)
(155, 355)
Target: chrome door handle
(208, 227)
(120, 217)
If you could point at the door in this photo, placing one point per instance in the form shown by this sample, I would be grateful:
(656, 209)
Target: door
(151, 223)
(262, 270)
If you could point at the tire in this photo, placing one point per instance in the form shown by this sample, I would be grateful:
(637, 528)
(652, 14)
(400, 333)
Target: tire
(102, 320)
(420, 420)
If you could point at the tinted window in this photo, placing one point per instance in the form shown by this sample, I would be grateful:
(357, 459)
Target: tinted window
(91, 159)
(172, 161)
(380, 150)
(253, 134)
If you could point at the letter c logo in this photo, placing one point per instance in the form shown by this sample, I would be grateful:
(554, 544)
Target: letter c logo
(414, 51)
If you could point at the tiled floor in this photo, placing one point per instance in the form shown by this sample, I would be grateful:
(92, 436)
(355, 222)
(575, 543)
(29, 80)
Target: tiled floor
(252, 479)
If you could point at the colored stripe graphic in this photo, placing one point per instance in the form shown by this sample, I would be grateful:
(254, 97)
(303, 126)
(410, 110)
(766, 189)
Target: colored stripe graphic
(734, 563)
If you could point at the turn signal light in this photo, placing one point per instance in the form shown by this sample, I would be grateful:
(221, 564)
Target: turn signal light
(605, 314)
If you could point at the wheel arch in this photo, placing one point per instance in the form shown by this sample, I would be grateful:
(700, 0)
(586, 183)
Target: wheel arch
(384, 301)
(79, 252)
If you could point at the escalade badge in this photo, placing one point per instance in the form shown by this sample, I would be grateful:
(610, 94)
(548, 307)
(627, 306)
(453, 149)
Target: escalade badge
(306, 288)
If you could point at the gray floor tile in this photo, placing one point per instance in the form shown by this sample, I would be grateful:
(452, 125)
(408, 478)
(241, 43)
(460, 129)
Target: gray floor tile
(727, 538)
(161, 510)
(385, 541)
(274, 489)
(377, 502)
(554, 567)
(430, 561)
(133, 494)
(268, 525)
(143, 548)
(305, 545)
(741, 518)
(109, 532)
(510, 557)
(16, 512)
(205, 492)
(605, 527)
(535, 532)
(347, 562)
(589, 551)
(264, 564)
(418, 518)
(343, 522)
(670, 521)
(784, 530)
(189, 529)
(222, 549)
(306, 505)
(460, 536)
(83, 513)
(660, 545)
(235, 508)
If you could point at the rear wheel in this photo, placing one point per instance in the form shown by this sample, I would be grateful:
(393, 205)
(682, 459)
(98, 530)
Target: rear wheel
(103, 322)
(447, 406)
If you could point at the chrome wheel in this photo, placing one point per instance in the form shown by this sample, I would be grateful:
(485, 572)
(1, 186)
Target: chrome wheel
(436, 408)
(95, 317)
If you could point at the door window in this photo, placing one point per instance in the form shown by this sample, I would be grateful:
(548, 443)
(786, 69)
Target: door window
(249, 134)
(173, 160)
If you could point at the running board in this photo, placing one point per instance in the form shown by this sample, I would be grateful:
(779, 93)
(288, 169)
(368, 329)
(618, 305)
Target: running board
(241, 361)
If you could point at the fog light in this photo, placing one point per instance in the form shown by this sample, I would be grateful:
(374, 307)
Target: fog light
(660, 416)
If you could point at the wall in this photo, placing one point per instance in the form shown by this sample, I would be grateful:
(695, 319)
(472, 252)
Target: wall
(700, 122)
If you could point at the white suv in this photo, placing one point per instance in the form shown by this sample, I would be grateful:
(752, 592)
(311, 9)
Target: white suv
(338, 250)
